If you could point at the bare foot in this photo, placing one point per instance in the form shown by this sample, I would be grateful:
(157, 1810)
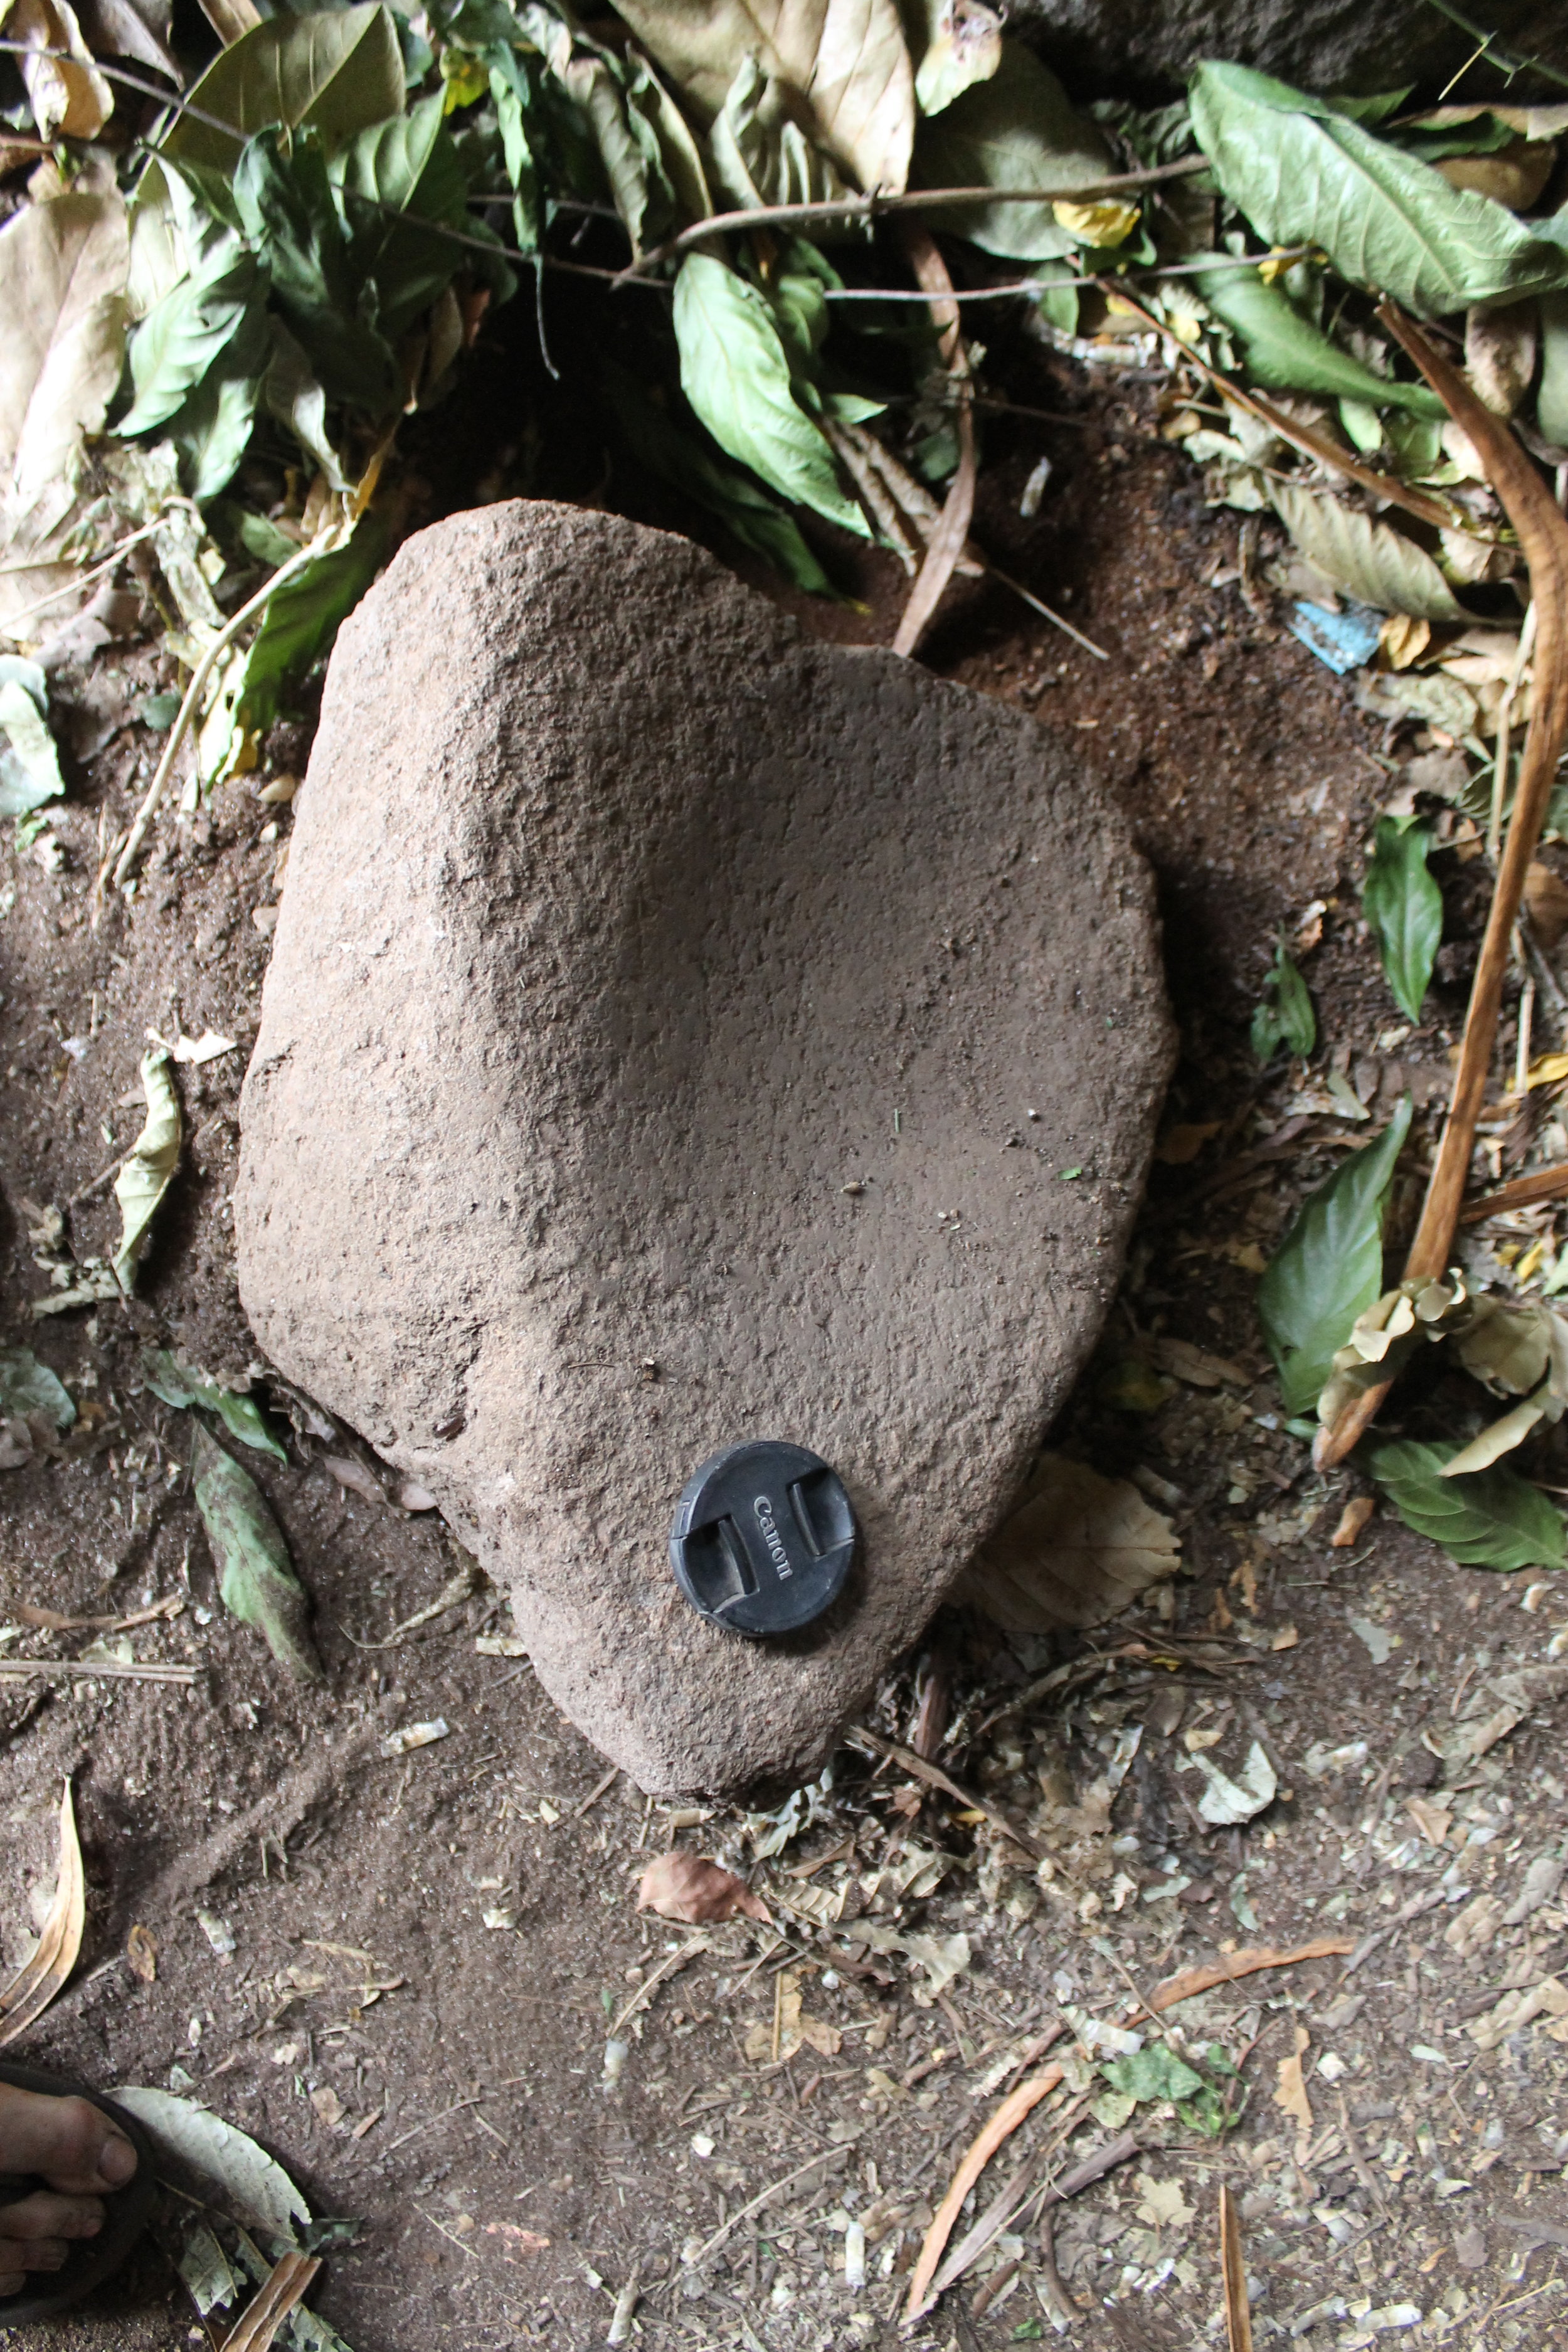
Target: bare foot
(80, 2153)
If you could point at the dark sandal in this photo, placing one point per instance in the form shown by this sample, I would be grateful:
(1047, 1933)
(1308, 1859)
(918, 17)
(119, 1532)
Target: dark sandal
(126, 2211)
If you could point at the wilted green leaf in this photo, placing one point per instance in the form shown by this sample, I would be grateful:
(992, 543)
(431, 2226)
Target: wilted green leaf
(1371, 560)
(736, 373)
(291, 394)
(1019, 129)
(28, 1387)
(1328, 1267)
(846, 61)
(1487, 1519)
(29, 764)
(962, 46)
(1285, 1017)
(1285, 351)
(336, 72)
(145, 1177)
(754, 519)
(255, 1577)
(182, 1386)
(1304, 173)
(1404, 907)
(761, 154)
(1152, 2073)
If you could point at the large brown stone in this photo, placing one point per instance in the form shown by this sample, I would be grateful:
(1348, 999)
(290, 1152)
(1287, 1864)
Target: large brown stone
(679, 1031)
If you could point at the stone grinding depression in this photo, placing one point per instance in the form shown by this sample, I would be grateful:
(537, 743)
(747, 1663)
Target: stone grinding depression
(659, 989)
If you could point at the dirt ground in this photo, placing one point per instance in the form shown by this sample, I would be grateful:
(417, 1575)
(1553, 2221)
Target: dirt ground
(442, 2081)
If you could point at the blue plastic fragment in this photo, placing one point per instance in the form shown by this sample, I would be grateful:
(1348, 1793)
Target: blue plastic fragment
(1344, 639)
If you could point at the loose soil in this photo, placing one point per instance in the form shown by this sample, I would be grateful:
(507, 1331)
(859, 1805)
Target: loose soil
(504, 2193)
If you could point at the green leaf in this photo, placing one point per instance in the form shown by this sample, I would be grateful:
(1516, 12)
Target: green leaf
(1328, 1267)
(391, 177)
(29, 763)
(1404, 907)
(1285, 351)
(290, 393)
(212, 430)
(1019, 129)
(1370, 560)
(255, 1577)
(286, 203)
(736, 373)
(182, 1386)
(1152, 2073)
(1486, 1519)
(1304, 173)
(1552, 398)
(301, 620)
(192, 327)
(335, 73)
(1285, 1017)
(659, 445)
(28, 1387)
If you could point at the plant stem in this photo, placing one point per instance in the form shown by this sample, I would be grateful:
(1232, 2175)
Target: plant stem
(1543, 536)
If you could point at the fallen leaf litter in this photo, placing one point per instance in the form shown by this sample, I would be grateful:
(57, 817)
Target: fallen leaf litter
(1429, 1788)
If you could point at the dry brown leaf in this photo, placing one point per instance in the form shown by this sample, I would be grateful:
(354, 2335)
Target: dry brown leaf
(1546, 903)
(1434, 1821)
(1233, 2271)
(62, 282)
(1179, 1145)
(68, 94)
(230, 18)
(1195, 1365)
(790, 2028)
(1513, 175)
(1352, 1518)
(1290, 2092)
(1080, 1550)
(142, 1951)
(1499, 355)
(35, 1985)
(681, 1885)
(845, 61)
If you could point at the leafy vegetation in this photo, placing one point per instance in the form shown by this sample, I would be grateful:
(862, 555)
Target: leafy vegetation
(1328, 1267)
(1485, 1518)
(220, 352)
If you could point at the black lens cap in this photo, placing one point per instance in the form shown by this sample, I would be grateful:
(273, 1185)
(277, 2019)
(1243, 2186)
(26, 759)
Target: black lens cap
(762, 1538)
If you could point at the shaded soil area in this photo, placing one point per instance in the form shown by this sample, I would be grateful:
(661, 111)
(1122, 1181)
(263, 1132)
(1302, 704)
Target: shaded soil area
(442, 2080)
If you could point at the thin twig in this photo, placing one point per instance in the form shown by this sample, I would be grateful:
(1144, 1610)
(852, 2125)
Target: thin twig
(1522, 652)
(908, 200)
(1543, 537)
(950, 533)
(1233, 2271)
(935, 1777)
(321, 545)
(92, 1670)
(1386, 487)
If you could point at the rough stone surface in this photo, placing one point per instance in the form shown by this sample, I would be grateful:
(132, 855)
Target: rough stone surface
(1318, 43)
(647, 1057)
